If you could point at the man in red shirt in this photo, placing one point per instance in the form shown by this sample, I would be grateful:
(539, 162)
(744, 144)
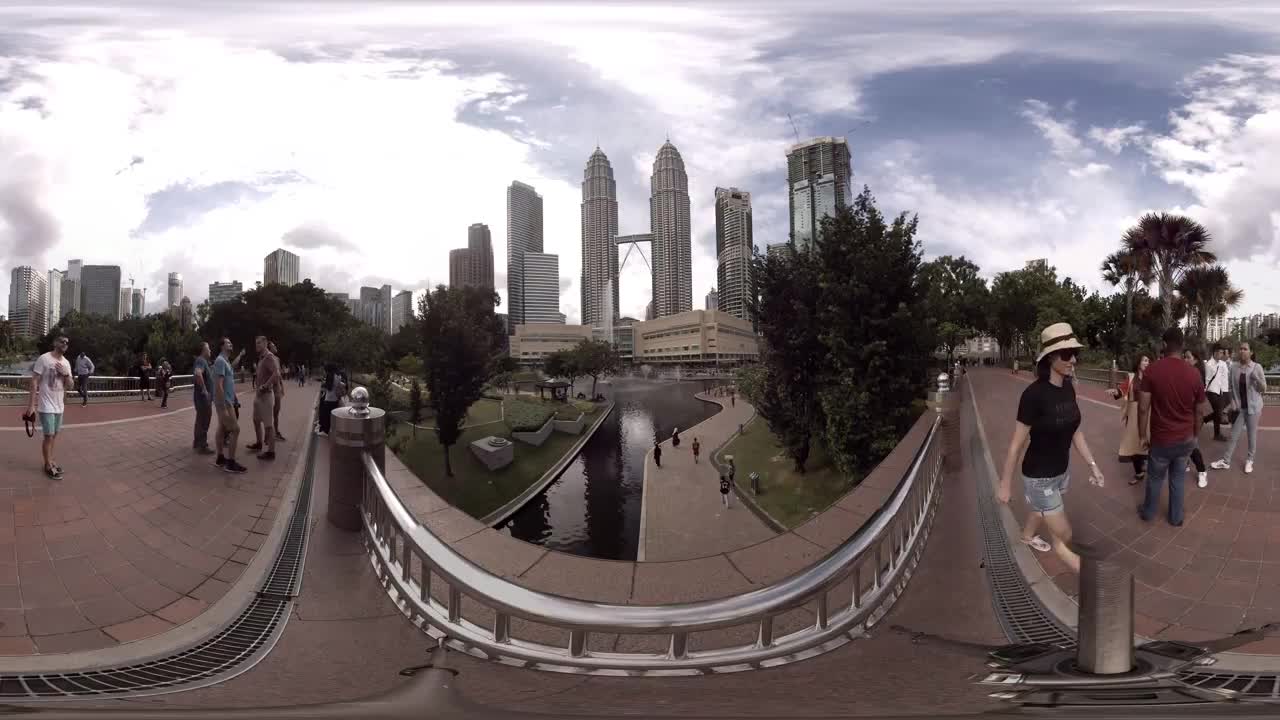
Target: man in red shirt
(1171, 402)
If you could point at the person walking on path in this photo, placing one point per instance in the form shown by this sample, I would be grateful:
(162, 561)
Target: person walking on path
(267, 383)
(1131, 450)
(1247, 383)
(1048, 427)
(724, 489)
(1172, 406)
(332, 391)
(162, 382)
(84, 368)
(275, 412)
(202, 399)
(224, 401)
(144, 376)
(657, 453)
(697, 447)
(50, 378)
(675, 438)
(1217, 387)
(733, 399)
(1192, 358)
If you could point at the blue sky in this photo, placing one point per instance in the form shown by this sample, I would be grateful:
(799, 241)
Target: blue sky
(368, 136)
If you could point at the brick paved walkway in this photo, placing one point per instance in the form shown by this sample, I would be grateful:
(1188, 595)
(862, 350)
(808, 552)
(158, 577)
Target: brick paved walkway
(683, 515)
(106, 411)
(141, 535)
(1217, 574)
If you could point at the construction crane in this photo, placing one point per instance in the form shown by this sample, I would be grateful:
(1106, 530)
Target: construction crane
(794, 130)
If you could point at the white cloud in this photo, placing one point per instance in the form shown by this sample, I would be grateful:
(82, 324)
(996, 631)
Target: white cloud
(1115, 139)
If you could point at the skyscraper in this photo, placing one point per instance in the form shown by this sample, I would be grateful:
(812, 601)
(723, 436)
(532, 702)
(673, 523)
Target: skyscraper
(126, 303)
(138, 304)
(370, 306)
(818, 175)
(669, 223)
(401, 310)
(524, 235)
(733, 251)
(220, 292)
(712, 301)
(541, 288)
(53, 299)
(384, 303)
(472, 266)
(28, 290)
(280, 266)
(175, 290)
(186, 316)
(100, 290)
(599, 229)
(71, 287)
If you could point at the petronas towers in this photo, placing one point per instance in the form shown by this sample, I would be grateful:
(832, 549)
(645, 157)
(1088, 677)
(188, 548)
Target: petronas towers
(669, 236)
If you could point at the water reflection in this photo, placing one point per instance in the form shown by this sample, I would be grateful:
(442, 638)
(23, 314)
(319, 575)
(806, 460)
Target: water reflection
(593, 509)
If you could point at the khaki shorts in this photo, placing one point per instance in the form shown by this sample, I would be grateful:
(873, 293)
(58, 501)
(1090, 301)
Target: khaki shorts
(227, 421)
(264, 406)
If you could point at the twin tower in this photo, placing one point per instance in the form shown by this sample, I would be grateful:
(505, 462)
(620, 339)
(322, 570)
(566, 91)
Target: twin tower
(669, 234)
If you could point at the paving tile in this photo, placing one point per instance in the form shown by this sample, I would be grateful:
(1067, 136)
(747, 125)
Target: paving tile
(211, 590)
(12, 623)
(149, 595)
(138, 628)
(1242, 570)
(109, 610)
(1189, 585)
(21, 645)
(123, 576)
(1213, 618)
(229, 572)
(182, 610)
(1174, 556)
(1231, 592)
(55, 620)
(92, 639)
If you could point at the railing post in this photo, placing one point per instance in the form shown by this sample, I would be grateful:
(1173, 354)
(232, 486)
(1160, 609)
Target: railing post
(938, 398)
(354, 429)
(1105, 641)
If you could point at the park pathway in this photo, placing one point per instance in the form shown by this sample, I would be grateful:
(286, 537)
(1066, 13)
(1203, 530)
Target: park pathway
(1218, 573)
(682, 516)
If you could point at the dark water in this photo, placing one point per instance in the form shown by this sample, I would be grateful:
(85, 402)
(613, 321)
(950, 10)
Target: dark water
(593, 508)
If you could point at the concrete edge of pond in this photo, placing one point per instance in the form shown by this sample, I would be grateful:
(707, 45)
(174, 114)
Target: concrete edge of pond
(499, 516)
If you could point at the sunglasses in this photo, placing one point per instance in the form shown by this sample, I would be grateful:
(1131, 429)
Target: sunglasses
(1067, 355)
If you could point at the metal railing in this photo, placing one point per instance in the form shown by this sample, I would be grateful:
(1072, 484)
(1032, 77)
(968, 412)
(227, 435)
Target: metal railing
(429, 582)
(1103, 377)
(15, 389)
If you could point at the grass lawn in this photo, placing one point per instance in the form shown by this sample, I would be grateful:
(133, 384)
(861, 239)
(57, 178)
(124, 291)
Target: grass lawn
(791, 498)
(475, 489)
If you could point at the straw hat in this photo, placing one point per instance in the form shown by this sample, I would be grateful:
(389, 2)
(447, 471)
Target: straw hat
(1058, 336)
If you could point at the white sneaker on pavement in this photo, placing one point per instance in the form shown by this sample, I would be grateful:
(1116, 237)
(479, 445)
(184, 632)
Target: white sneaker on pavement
(1220, 465)
(1203, 481)
(1248, 467)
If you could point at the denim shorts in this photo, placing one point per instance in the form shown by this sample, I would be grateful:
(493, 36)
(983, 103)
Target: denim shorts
(50, 423)
(1044, 495)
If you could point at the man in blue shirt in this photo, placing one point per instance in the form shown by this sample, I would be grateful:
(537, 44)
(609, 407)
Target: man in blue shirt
(224, 400)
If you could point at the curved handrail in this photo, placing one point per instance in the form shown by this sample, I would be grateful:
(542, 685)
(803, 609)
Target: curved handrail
(395, 539)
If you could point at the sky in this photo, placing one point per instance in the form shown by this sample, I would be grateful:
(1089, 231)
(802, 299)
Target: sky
(196, 137)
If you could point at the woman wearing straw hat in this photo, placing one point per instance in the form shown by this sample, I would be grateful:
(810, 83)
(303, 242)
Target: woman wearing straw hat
(1048, 426)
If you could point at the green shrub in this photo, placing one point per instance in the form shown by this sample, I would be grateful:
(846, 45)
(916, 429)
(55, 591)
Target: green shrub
(527, 415)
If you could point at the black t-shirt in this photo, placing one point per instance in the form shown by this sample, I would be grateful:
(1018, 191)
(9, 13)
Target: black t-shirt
(1053, 416)
(724, 485)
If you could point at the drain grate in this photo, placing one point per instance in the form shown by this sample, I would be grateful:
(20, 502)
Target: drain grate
(1254, 687)
(235, 649)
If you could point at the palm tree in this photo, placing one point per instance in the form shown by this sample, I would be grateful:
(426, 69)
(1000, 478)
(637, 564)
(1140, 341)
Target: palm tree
(1122, 268)
(1209, 292)
(1167, 245)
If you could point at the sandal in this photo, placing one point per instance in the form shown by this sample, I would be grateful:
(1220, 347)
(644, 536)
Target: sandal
(1138, 478)
(1037, 543)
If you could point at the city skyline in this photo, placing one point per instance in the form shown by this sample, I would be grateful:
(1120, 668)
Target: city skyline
(1037, 143)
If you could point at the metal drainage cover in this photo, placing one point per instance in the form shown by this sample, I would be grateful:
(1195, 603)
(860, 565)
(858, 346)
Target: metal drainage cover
(237, 647)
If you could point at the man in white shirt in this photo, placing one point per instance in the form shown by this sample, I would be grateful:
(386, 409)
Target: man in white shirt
(1217, 378)
(50, 378)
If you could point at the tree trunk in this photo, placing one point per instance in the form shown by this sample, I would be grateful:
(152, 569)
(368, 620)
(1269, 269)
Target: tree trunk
(1166, 296)
(448, 468)
(1128, 319)
(802, 455)
(1202, 328)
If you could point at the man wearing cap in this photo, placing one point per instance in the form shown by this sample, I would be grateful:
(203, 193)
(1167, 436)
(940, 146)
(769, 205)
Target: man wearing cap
(1171, 403)
(1048, 427)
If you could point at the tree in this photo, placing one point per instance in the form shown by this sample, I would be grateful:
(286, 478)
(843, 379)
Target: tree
(877, 357)
(957, 300)
(750, 380)
(1165, 246)
(461, 341)
(415, 401)
(1125, 269)
(596, 358)
(354, 346)
(1208, 291)
(410, 365)
(563, 364)
(301, 319)
(792, 351)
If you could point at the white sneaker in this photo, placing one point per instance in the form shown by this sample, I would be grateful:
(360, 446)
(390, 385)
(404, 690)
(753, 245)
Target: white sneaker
(1220, 465)
(1248, 467)
(1203, 481)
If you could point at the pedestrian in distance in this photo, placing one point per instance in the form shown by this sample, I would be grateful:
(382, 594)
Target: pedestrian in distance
(224, 400)
(275, 411)
(1048, 426)
(1217, 387)
(163, 375)
(724, 489)
(202, 398)
(697, 447)
(144, 376)
(50, 379)
(1247, 383)
(266, 383)
(84, 368)
(1171, 408)
(331, 391)
(1131, 450)
(1192, 358)
(657, 453)
(675, 438)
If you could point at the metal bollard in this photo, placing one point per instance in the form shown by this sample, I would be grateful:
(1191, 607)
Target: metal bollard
(354, 429)
(1105, 642)
(755, 483)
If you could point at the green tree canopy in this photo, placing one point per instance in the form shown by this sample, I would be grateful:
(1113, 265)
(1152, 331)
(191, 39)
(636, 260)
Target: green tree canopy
(957, 299)
(596, 359)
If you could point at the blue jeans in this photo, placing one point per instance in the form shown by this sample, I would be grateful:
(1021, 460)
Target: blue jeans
(1244, 423)
(1168, 460)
